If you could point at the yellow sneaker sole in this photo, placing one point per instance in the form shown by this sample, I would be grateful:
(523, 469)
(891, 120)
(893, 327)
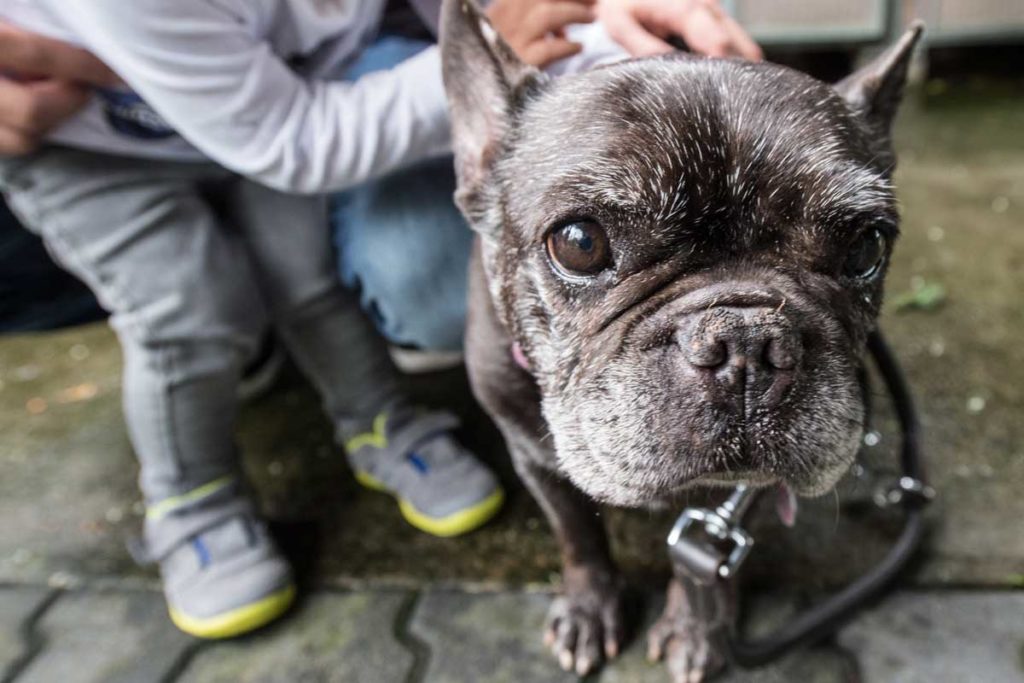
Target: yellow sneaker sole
(237, 621)
(455, 524)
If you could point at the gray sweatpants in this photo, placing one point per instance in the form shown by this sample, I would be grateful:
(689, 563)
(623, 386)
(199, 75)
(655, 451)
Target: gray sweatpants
(194, 265)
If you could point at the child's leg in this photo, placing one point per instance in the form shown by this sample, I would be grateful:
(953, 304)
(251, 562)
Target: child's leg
(188, 313)
(183, 299)
(321, 323)
(34, 293)
(441, 487)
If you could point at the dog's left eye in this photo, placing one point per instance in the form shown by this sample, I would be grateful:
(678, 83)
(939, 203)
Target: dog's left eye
(579, 248)
(866, 257)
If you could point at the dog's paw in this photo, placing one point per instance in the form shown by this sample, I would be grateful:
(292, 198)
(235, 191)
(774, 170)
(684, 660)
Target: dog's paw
(684, 642)
(586, 626)
(684, 645)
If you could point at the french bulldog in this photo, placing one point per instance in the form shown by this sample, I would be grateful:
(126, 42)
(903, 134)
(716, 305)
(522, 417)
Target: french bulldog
(678, 262)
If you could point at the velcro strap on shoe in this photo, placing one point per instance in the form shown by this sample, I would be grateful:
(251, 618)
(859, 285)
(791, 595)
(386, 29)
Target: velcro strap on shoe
(419, 428)
(226, 486)
(175, 529)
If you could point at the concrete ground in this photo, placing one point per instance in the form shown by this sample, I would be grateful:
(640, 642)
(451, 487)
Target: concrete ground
(386, 603)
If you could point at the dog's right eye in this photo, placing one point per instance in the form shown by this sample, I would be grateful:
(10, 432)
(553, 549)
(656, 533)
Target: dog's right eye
(579, 248)
(867, 255)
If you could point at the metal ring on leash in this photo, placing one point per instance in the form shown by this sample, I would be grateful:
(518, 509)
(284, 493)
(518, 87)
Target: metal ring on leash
(707, 547)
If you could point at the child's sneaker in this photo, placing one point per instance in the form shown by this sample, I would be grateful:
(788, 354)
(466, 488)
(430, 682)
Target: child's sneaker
(441, 488)
(222, 574)
(414, 361)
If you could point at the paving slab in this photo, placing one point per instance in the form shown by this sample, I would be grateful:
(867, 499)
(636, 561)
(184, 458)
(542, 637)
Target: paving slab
(824, 664)
(67, 496)
(496, 637)
(106, 637)
(813, 666)
(485, 638)
(330, 638)
(941, 637)
(68, 493)
(19, 605)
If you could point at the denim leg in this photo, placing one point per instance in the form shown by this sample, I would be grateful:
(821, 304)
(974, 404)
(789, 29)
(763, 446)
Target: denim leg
(35, 294)
(401, 242)
(404, 247)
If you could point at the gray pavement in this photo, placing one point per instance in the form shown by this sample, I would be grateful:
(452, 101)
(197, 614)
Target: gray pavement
(453, 636)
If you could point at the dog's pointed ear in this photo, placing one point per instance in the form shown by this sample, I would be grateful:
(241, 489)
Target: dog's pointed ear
(485, 82)
(875, 91)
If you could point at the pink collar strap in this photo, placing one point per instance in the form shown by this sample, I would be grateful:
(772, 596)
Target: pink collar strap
(519, 357)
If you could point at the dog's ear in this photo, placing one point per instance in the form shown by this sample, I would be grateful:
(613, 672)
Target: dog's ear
(875, 90)
(485, 82)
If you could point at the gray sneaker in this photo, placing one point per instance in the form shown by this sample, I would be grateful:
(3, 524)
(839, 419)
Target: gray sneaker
(441, 487)
(222, 574)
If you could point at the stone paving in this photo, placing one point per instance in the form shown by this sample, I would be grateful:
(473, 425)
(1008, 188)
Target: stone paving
(388, 603)
(452, 636)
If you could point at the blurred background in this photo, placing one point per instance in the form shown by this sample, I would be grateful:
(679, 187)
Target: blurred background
(954, 315)
(823, 23)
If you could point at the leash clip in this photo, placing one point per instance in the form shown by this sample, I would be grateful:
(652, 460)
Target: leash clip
(707, 545)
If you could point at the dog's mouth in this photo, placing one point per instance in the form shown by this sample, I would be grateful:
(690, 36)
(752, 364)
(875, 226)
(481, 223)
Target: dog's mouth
(786, 502)
(669, 491)
(642, 432)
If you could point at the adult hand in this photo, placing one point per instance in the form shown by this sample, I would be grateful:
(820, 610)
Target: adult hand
(535, 29)
(43, 82)
(642, 26)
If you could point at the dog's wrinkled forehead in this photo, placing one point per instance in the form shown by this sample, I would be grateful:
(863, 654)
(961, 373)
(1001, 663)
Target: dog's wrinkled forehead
(681, 140)
(664, 125)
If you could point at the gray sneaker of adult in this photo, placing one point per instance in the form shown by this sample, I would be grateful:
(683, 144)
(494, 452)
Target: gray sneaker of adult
(440, 486)
(222, 573)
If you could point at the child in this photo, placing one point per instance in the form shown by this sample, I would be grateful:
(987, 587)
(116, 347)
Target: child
(174, 199)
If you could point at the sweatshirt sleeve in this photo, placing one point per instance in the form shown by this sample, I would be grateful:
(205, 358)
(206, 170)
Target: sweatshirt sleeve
(229, 95)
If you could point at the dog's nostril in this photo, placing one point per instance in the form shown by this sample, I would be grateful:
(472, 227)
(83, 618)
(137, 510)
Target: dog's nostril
(780, 354)
(707, 354)
(758, 341)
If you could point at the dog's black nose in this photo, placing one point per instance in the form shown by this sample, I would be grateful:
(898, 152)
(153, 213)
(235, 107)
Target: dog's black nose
(752, 351)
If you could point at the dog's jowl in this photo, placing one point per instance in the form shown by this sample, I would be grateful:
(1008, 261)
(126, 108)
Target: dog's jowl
(679, 260)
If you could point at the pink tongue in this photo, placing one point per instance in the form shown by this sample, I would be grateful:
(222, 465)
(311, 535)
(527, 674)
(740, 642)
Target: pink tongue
(785, 504)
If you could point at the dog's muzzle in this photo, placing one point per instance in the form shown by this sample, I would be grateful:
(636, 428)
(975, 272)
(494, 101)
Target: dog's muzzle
(708, 547)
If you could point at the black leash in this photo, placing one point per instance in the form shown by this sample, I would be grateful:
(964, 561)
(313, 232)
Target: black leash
(707, 547)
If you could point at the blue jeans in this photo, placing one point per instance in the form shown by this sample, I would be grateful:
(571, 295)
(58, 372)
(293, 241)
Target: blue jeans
(35, 294)
(401, 242)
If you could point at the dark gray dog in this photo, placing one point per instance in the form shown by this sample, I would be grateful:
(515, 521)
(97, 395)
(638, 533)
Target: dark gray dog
(679, 260)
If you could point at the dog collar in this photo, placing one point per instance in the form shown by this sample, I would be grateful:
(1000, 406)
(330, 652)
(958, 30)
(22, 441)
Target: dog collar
(519, 357)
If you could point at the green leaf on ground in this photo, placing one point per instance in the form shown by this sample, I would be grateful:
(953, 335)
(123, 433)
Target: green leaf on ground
(927, 297)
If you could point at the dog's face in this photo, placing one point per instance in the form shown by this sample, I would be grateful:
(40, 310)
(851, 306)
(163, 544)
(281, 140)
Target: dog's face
(690, 253)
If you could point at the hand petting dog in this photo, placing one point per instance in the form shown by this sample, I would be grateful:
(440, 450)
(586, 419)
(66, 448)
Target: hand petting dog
(535, 29)
(643, 27)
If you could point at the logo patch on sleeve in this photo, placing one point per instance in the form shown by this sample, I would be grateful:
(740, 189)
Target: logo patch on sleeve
(130, 115)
